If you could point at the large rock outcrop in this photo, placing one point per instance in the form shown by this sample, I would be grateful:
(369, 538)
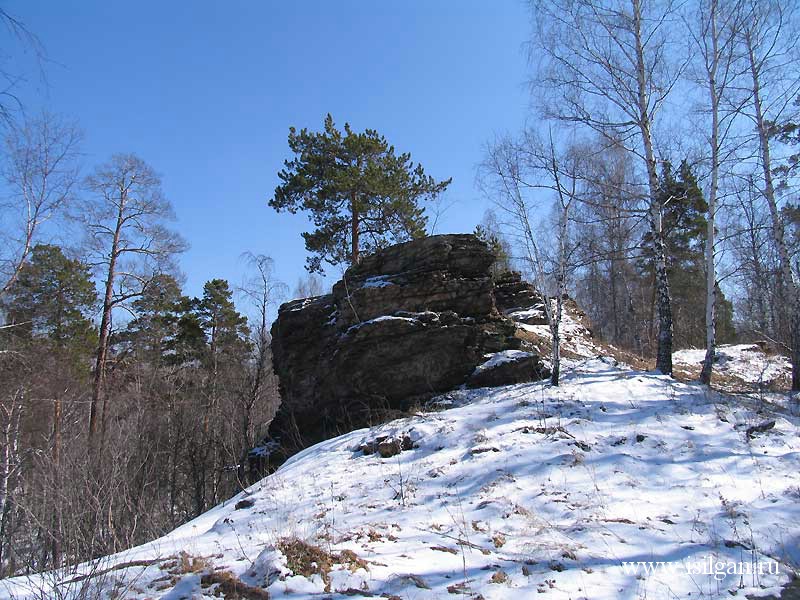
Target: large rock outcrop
(407, 323)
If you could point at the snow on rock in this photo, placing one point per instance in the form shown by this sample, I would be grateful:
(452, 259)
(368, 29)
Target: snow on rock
(499, 358)
(512, 492)
(381, 319)
(534, 313)
(377, 281)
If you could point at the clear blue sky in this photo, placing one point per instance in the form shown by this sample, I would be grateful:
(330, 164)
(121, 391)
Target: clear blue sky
(206, 91)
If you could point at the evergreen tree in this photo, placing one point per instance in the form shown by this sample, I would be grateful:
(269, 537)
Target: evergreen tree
(685, 234)
(359, 193)
(50, 306)
(225, 328)
(53, 300)
(502, 261)
(214, 338)
(153, 332)
(489, 231)
(684, 219)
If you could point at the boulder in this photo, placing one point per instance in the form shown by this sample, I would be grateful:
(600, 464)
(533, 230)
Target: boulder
(508, 366)
(407, 323)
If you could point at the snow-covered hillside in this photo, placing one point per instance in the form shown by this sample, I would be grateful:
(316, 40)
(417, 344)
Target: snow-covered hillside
(507, 493)
(737, 364)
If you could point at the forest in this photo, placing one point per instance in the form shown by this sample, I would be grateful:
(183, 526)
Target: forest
(655, 184)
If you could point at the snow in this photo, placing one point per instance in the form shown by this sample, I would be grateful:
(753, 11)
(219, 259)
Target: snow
(378, 281)
(301, 303)
(534, 312)
(499, 358)
(378, 320)
(575, 337)
(747, 362)
(512, 492)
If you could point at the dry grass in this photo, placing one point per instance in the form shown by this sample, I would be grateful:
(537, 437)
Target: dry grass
(186, 563)
(499, 577)
(231, 587)
(307, 559)
(726, 382)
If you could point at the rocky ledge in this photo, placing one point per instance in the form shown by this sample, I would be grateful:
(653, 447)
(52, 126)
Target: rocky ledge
(407, 323)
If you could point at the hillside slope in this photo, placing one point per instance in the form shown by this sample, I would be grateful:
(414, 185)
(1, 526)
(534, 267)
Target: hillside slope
(507, 493)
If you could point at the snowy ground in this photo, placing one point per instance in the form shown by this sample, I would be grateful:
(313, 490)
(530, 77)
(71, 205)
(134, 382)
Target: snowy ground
(745, 362)
(576, 339)
(508, 493)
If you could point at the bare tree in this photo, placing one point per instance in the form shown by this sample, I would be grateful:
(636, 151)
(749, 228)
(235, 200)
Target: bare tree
(522, 174)
(264, 291)
(308, 286)
(41, 172)
(607, 66)
(610, 224)
(769, 41)
(19, 32)
(714, 27)
(131, 246)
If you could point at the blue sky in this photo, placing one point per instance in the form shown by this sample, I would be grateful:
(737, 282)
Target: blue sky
(206, 91)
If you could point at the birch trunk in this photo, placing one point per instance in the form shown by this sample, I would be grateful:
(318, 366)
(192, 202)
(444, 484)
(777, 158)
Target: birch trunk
(778, 232)
(9, 461)
(711, 275)
(561, 278)
(663, 299)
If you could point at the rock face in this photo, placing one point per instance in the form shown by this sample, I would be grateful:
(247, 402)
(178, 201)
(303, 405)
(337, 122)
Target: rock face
(407, 323)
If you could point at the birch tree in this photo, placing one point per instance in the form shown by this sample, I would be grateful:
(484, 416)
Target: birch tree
(768, 40)
(41, 173)
(522, 175)
(714, 27)
(131, 246)
(607, 66)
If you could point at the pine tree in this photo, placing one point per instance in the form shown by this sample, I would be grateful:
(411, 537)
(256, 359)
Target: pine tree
(225, 328)
(53, 300)
(50, 306)
(490, 232)
(213, 340)
(360, 194)
(498, 247)
(685, 234)
(152, 334)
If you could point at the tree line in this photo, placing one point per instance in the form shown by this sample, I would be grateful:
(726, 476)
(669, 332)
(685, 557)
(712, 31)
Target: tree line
(657, 188)
(124, 410)
(665, 133)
